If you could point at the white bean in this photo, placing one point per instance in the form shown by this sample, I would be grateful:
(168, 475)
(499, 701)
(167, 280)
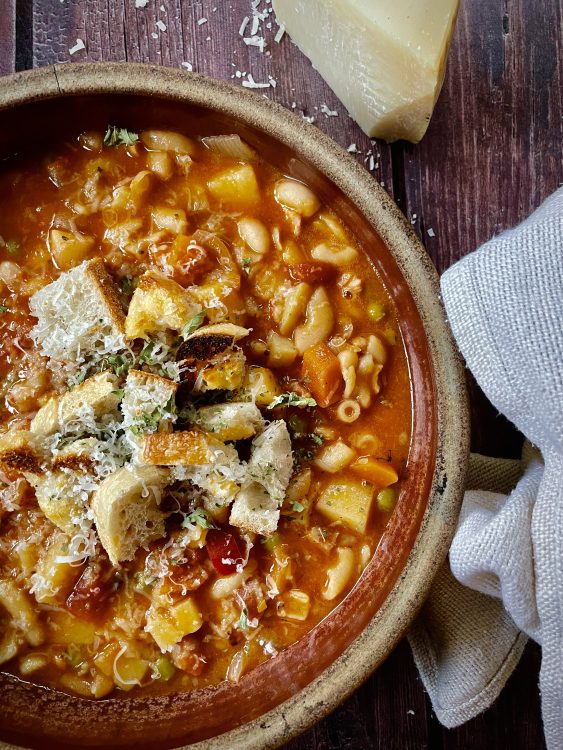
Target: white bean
(334, 254)
(296, 196)
(254, 234)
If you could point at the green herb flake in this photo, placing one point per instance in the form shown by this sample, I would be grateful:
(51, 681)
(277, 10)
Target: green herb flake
(115, 136)
(13, 247)
(193, 324)
(198, 517)
(246, 263)
(145, 357)
(119, 393)
(297, 506)
(243, 621)
(116, 362)
(292, 399)
(3, 309)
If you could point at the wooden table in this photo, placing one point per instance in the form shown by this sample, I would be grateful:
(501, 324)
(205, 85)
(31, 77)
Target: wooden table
(492, 154)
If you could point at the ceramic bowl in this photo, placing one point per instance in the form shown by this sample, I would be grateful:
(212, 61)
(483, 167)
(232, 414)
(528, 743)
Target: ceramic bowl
(287, 694)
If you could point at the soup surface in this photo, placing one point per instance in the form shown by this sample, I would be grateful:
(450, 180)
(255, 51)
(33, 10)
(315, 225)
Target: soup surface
(204, 412)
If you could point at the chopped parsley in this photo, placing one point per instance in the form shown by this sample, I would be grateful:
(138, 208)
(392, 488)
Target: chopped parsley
(119, 393)
(13, 247)
(199, 517)
(3, 309)
(292, 399)
(193, 324)
(297, 506)
(116, 362)
(129, 284)
(246, 263)
(115, 136)
(145, 357)
(243, 621)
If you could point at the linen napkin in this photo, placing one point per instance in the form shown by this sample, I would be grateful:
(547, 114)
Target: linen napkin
(504, 581)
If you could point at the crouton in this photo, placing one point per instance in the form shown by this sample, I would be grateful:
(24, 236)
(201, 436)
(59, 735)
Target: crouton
(126, 512)
(78, 314)
(95, 396)
(158, 303)
(20, 451)
(148, 401)
(209, 341)
(59, 499)
(254, 510)
(180, 449)
(77, 456)
(230, 421)
(257, 506)
(225, 373)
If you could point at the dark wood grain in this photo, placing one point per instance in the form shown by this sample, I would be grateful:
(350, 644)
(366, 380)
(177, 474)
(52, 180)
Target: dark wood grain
(8, 37)
(493, 152)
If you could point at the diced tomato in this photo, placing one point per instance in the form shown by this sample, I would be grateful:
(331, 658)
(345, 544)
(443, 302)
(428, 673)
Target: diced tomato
(225, 550)
(93, 590)
(312, 273)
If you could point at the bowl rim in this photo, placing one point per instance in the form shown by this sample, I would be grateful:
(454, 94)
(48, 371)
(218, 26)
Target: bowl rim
(324, 693)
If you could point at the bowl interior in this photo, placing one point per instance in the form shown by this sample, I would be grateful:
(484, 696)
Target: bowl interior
(28, 712)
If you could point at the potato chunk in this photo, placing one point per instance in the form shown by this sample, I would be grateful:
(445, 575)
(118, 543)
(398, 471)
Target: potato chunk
(236, 187)
(347, 502)
(168, 626)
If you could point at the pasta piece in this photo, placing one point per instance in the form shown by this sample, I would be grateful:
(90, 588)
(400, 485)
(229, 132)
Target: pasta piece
(318, 323)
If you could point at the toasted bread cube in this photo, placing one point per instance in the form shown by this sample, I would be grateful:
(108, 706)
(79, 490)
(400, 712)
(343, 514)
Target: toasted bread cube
(348, 502)
(254, 510)
(158, 303)
(169, 626)
(257, 506)
(126, 512)
(231, 421)
(148, 400)
(77, 456)
(60, 499)
(262, 384)
(69, 248)
(96, 395)
(236, 187)
(180, 449)
(226, 373)
(78, 313)
(20, 451)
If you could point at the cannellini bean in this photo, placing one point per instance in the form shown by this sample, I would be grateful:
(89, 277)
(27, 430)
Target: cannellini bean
(9, 645)
(334, 254)
(334, 457)
(254, 234)
(318, 324)
(339, 574)
(348, 411)
(365, 555)
(296, 196)
(223, 587)
(32, 662)
(168, 140)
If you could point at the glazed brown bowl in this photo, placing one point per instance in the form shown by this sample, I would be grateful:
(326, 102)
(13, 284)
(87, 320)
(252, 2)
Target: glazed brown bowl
(287, 694)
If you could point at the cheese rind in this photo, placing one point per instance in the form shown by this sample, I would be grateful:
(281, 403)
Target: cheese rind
(385, 61)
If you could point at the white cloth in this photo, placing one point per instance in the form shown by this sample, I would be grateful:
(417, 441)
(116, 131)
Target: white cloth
(504, 303)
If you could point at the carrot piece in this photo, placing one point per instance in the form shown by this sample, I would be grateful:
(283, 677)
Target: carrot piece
(321, 368)
(374, 471)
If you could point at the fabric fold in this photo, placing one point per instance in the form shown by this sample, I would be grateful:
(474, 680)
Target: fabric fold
(504, 303)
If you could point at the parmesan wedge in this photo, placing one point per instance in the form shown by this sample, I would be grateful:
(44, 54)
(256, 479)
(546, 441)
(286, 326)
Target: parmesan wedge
(384, 60)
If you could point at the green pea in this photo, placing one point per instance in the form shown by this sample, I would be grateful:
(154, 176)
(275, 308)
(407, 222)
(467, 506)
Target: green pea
(387, 499)
(165, 668)
(376, 311)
